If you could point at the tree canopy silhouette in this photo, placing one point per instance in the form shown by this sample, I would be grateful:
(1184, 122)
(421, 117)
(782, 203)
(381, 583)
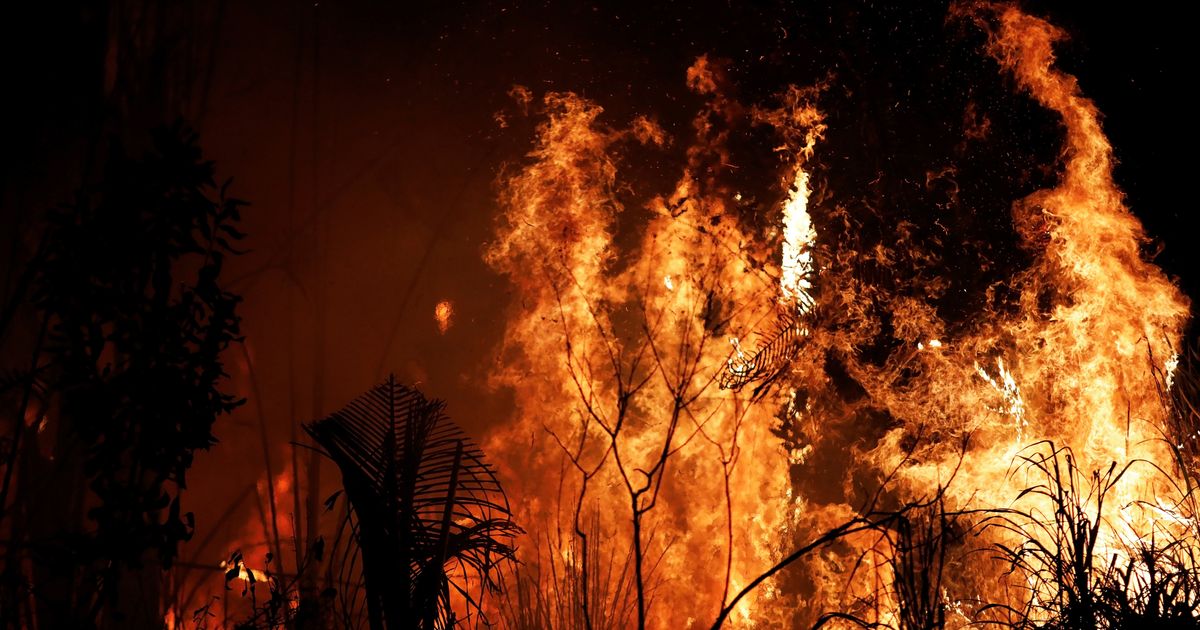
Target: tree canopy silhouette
(129, 378)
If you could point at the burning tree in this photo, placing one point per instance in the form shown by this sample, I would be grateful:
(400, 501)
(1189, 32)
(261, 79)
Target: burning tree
(871, 367)
(618, 351)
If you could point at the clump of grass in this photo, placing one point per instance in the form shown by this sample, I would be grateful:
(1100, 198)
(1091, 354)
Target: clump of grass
(914, 541)
(1158, 586)
(1054, 552)
(918, 562)
(1179, 389)
(578, 586)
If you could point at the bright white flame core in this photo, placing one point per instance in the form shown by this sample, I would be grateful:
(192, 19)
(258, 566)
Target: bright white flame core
(798, 237)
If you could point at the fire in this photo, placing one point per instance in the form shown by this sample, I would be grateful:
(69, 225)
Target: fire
(798, 237)
(617, 356)
(801, 125)
(443, 314)
(247, 574)
(253, 539)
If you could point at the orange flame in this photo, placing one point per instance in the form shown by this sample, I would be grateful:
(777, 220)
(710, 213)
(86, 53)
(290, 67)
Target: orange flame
(614, 339)
(443, 314)
(615, 348)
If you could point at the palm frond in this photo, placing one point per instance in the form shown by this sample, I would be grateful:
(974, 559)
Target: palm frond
(772, 358)
(432, 515)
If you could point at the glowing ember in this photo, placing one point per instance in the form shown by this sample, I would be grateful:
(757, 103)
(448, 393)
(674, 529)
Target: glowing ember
(443, 314)
(246, 574)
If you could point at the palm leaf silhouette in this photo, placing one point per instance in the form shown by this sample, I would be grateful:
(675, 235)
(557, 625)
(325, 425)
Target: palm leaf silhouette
(431, 514)
(772, 358)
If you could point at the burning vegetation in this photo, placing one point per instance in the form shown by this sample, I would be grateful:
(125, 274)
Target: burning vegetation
(749, 389)
(1019, 465)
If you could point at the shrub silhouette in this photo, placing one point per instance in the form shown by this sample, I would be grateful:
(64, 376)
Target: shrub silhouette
(432, 518)
(127, 371)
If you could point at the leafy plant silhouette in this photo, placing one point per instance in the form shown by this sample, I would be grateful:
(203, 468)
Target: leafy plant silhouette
(432, 517)
(133, 324)
(1072, 584)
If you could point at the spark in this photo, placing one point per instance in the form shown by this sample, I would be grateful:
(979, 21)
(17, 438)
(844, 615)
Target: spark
(443, 314)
